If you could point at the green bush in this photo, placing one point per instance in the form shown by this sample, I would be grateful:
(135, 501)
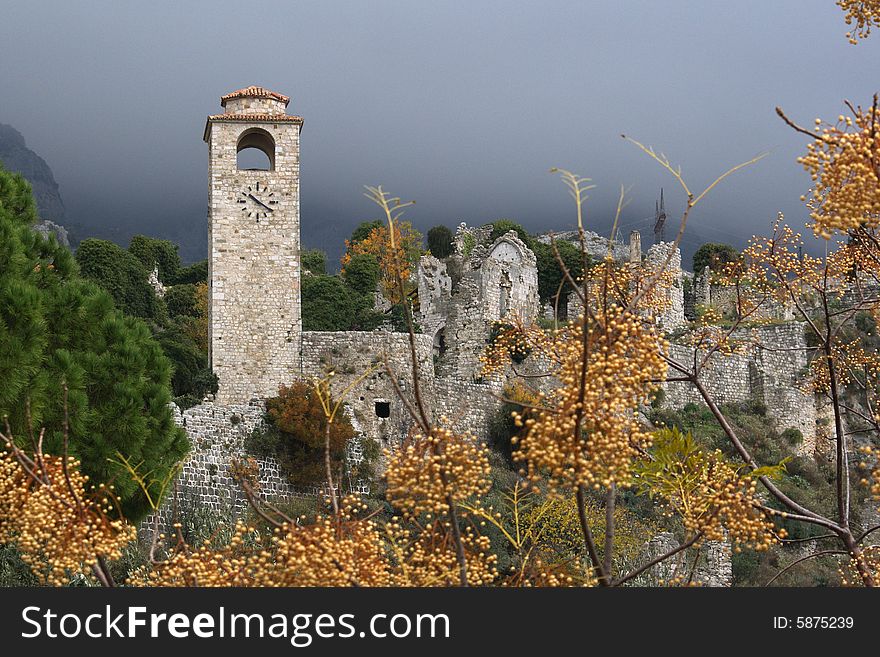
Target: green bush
(502, 226)
(192, 379)
(468, 244)
(180, 300)
(793, 436)
(363, 231)
(328, 304)
(714, 256)
(194, 273)
(440, 242)
(550, 274)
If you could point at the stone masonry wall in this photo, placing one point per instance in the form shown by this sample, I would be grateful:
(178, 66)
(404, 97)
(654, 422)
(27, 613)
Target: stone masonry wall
(467, 407)
(726, 378)
(509, 281)
(217, 434)
(772, 371)
(373, 399)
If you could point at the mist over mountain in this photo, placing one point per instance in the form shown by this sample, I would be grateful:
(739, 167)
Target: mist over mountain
(16, 156)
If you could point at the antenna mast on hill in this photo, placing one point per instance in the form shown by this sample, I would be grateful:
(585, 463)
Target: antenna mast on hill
(659, 220)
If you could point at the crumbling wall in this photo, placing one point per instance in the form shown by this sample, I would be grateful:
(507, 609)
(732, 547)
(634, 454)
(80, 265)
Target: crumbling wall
(713, 568)
(466, 407)
(673, 315)
(217, 433)
(509, 281)
(781, 372)
(435, 290)
(597, 245)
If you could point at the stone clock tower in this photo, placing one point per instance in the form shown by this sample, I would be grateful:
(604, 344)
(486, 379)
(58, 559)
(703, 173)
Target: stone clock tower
(255, 325)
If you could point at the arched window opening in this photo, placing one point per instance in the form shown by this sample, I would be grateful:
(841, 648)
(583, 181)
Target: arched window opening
(256, 151)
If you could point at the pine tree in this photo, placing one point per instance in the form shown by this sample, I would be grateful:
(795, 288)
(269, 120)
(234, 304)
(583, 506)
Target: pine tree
(56, 330)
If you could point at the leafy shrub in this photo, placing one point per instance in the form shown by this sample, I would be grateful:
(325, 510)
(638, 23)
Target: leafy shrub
(502, 226)
(362, 273)
(363, 230)
(550, 274)
(157, 253)
(181, 301)
(295, 432)
(192, 379)
(714, 256)
(328, 304)
(194, 273)
(793, 436)
(468, 244)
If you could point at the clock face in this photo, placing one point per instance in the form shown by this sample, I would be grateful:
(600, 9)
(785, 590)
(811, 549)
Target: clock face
(257, 201)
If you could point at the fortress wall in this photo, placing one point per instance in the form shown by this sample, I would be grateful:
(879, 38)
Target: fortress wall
(467, 407)
(727, 378)
(217, 433)
(351, 355)
(773, 372)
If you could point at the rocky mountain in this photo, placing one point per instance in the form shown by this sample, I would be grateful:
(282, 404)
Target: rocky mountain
(16, 156)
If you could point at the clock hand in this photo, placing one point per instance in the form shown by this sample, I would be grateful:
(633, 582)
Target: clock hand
(261, 203)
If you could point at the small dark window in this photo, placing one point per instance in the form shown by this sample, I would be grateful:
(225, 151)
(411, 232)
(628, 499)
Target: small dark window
(383, 409)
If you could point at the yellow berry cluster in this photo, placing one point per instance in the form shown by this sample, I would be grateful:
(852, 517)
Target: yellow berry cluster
(57, 520)
(868, 561)
(589, 435)
(844, 164)
(863, 14)
(428, 473)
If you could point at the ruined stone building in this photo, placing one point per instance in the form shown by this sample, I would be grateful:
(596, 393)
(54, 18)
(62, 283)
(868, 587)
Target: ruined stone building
(257, 342)
(255, 324)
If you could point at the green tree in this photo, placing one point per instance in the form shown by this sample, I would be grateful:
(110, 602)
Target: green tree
(363, 231)
(440, 242)
(501, 226)
(180, 300)
(714, 256)
(57, 329)
(550, 274)
(314, 261)
(120, 273)
(194, 273)
(362, 273)
(191, 378)
(328, 304)
(153, 252)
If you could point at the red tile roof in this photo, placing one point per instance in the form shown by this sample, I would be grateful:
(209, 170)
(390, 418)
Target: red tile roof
(256, 118)
(249, 118)
(254, 92)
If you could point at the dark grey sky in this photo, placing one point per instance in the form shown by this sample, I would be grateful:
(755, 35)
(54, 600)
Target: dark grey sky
(461, 106)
